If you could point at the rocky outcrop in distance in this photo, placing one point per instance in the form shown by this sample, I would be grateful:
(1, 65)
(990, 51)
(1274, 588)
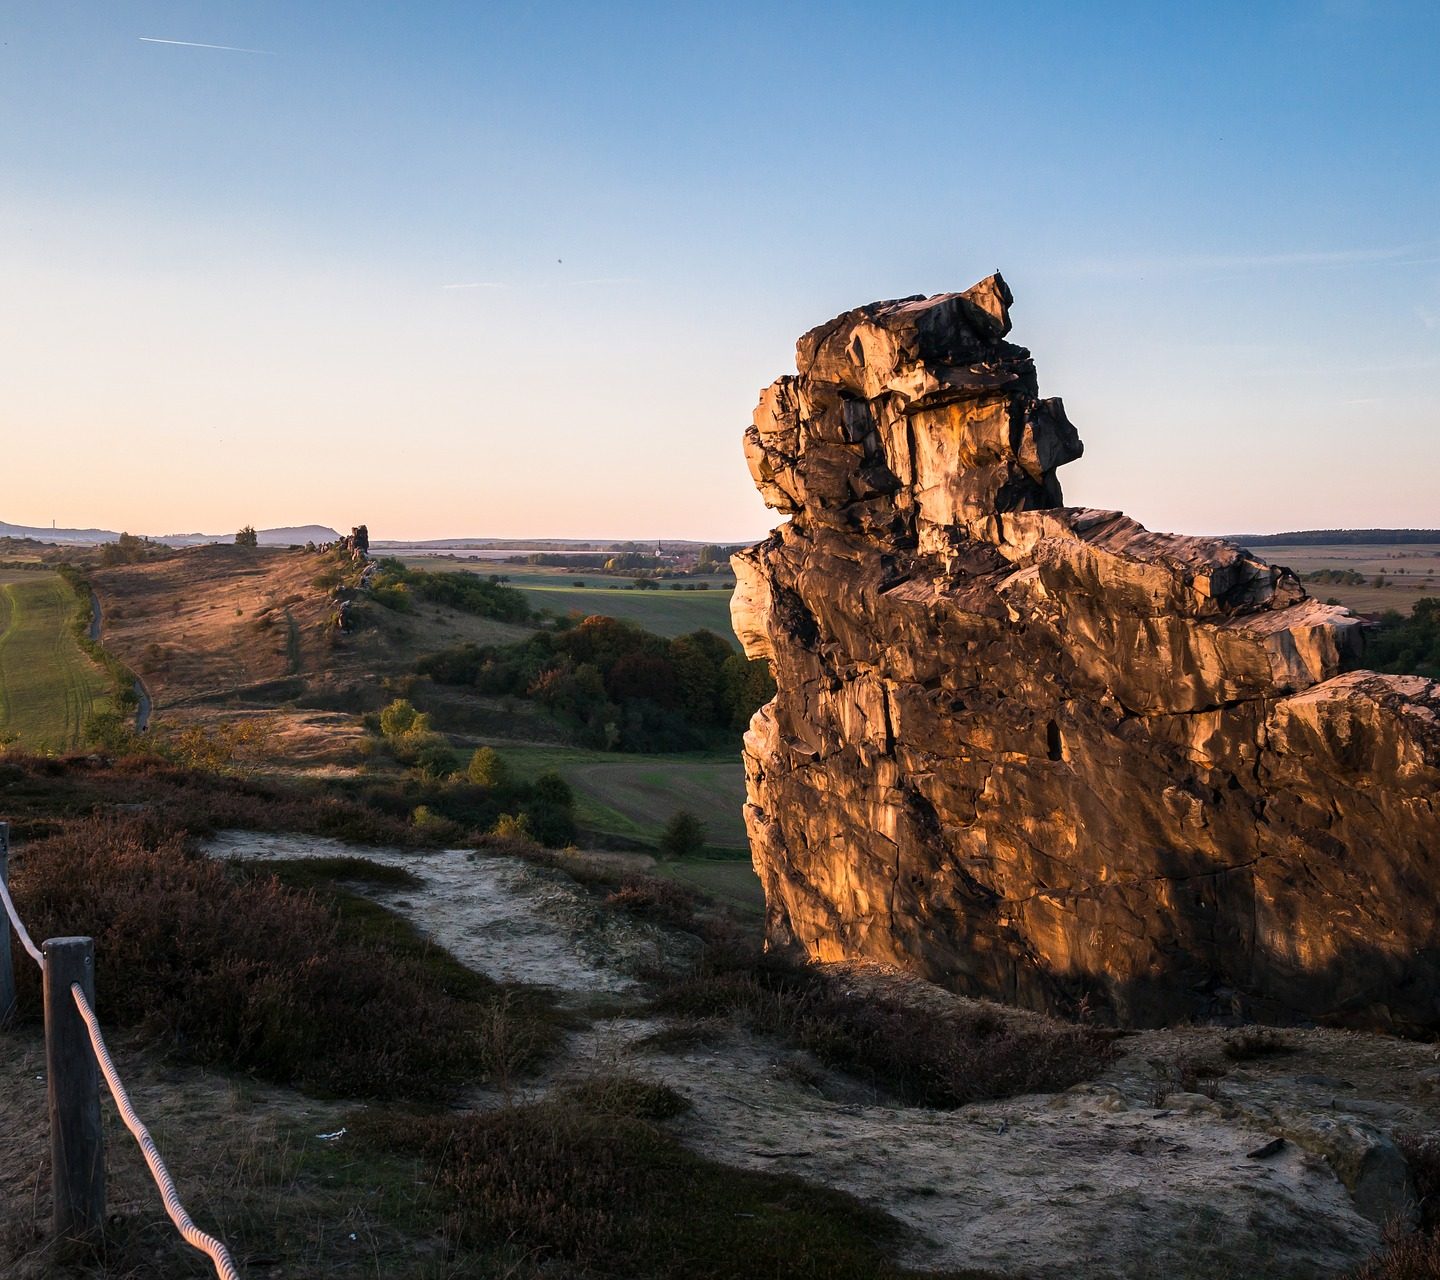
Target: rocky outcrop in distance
(1040, 753)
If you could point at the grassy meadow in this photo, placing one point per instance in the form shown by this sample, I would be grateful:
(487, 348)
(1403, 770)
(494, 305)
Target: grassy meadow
(664, 611)
(632, 797)
(48, 686)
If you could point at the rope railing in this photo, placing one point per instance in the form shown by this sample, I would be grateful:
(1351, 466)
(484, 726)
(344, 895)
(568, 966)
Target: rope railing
(207, 1244)
(184, 1224)
(20, 931)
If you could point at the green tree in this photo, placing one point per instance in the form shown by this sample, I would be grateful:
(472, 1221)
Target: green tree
(487, 769)
(699, 661)
(400, 718)
(748, 686)
(435, 759)
(551, 810)
(247, 537)
(684, 836)
(551, 789)
(513, 827)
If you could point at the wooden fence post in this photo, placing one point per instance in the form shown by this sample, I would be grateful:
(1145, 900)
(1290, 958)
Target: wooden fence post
(77, 1151)
(7, 969)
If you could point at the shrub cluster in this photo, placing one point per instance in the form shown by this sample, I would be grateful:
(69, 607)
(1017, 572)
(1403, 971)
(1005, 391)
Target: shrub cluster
(919, 1056)
(128, 548)
(398, 587)
(42, 791)
(618, 686)
(589, 1177)
(1407, 646)
(242, 971)
(482, 795)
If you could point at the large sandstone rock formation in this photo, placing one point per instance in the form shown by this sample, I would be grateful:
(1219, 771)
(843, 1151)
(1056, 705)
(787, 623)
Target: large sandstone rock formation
(1039, 753)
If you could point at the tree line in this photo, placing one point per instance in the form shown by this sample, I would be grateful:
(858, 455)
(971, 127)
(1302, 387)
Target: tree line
(618, 687)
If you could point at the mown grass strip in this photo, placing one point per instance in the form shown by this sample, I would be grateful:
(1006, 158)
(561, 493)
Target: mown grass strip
(48, 687)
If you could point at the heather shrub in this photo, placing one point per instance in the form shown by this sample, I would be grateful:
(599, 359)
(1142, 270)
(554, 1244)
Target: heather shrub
(240, 971)
(921, 1056)
(588, 1182)
(652, 898)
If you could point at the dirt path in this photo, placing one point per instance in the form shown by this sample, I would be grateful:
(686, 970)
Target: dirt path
(143, 704)
(508, 919)
(1108, 1179)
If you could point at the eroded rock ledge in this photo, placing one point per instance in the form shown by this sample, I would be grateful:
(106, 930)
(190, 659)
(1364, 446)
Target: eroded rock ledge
(1040, 753)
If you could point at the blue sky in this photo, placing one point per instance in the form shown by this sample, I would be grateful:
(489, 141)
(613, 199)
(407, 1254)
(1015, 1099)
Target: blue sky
(228, 279)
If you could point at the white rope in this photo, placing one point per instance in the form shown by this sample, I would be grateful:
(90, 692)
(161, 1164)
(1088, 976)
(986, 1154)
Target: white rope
(207, 1244)
(20, 930)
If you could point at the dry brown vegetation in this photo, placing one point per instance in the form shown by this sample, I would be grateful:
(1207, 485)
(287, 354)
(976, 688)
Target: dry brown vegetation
(1415, 1256)
(899, 1049)
(219, 631)
(285, 975)
(245, 972)
(590, 1177)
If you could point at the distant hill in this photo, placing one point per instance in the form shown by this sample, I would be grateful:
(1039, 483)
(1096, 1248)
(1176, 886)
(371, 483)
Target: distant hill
(548, 544)
(283, 537)
(56, 535)
(1335, 537)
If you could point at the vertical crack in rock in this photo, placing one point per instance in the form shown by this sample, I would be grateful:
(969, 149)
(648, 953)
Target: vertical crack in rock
(1039, 752)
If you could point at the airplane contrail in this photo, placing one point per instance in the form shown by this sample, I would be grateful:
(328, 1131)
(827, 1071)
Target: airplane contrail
(195, 44)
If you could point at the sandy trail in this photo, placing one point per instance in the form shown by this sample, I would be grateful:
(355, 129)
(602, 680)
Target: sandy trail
(507, 919)
(1095, 1183)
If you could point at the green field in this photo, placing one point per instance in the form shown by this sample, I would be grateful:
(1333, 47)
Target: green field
(731, 879)
(634, 796)
(663, 611)
(48, 686)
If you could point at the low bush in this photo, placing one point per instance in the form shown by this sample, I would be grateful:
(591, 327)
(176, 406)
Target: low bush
(47, 790)
(919, 1056)
(683, 837)
(652, 898)
(239, 970)
(1255, 1042)
(588, 1181)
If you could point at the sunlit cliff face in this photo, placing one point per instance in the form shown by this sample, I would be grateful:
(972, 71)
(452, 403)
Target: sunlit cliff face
(1040, 753)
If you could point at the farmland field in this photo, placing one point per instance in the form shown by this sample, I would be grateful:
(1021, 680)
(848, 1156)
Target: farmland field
(731, 879)
(48, 686)
(1395, 575)
(634, 796)
(663, 611)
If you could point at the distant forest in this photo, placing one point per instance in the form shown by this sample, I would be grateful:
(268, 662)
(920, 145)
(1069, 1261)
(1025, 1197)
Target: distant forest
(1334, 537)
